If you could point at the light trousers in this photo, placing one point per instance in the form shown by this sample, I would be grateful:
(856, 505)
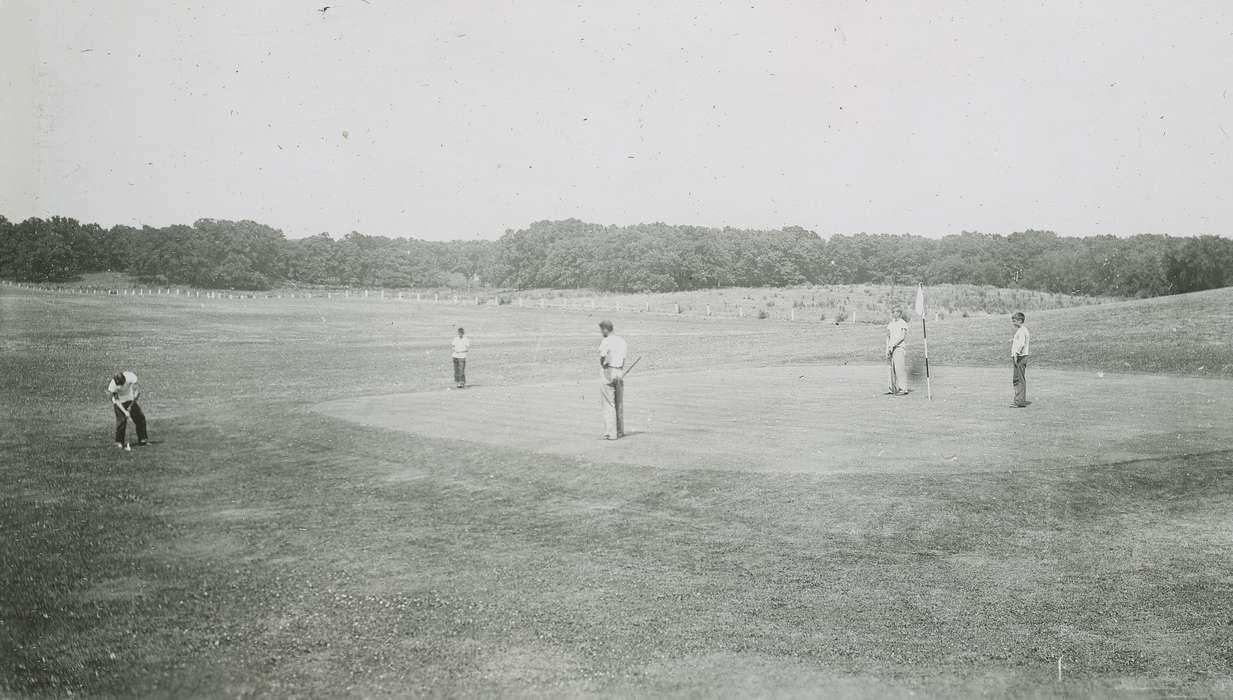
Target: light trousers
(897, 373)
(612, 401)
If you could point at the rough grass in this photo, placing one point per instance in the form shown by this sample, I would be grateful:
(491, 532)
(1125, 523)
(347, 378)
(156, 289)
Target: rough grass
(864, 303)
(263, 549)
(1185, 334)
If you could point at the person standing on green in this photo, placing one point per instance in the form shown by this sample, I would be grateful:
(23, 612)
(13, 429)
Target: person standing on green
(896, 339)
(612, 352)
(462, 345)
(1019, 352)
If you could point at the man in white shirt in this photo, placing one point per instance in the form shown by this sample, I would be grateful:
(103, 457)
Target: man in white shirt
(896, 354)
(612, 350)
(461, 345)
(124, 392)
(1019, 352)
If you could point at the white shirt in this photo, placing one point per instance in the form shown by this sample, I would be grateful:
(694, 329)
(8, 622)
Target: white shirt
(612, 349)
(124, 393)
(461, 346)
(1019, 344)
(896, 333)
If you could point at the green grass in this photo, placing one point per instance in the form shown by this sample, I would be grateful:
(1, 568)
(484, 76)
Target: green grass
(261, 548)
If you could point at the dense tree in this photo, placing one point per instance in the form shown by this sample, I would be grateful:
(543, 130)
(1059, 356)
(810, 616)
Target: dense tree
(654, 257)
(38, 250)
(1200, 263)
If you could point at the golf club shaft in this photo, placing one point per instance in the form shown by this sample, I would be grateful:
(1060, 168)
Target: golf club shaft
(631, 367)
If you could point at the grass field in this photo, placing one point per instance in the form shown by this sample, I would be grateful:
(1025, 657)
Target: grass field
(862, 303)
(320, 517)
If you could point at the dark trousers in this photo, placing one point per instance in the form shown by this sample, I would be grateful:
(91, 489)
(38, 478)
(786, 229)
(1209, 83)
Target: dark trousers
(460, 371)
(139, 420)
(1019, 380)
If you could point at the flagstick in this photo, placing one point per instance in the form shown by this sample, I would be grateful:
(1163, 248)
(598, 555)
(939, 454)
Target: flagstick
(922, 310)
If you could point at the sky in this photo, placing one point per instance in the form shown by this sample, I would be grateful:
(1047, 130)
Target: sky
(444, 120)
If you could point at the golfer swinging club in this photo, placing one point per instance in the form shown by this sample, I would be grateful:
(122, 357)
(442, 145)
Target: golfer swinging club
(124, 392)
(612, 351)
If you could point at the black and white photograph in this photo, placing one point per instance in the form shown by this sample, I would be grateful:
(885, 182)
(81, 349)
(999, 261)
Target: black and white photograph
(576, 349)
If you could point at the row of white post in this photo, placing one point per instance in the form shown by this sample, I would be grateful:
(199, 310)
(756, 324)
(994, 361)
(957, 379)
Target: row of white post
(520, 302)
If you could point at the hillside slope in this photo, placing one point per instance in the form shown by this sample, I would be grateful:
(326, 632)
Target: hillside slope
(1189, 334)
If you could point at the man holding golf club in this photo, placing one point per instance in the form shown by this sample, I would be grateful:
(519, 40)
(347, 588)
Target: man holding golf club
(612, 350)
(124, 392)
(896, 338)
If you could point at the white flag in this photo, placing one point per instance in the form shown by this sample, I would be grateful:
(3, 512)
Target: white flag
(920, 301)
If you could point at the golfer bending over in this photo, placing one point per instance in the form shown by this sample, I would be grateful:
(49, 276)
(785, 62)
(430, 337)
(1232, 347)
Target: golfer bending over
(123, 390)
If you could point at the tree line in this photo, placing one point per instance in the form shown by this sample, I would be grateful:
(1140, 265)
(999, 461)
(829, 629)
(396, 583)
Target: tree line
(639, 258)
(223, 254)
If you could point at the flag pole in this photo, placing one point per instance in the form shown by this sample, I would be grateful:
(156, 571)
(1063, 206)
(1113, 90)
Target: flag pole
(922, 310)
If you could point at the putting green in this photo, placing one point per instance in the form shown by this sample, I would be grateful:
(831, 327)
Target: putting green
(815, 419)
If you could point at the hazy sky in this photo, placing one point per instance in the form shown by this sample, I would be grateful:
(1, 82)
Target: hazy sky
(462, 119)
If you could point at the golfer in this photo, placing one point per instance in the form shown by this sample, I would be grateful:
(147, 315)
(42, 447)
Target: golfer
(896, 339)
(461, 345)
(1019, 352)
(124, 392)
(612, 351)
